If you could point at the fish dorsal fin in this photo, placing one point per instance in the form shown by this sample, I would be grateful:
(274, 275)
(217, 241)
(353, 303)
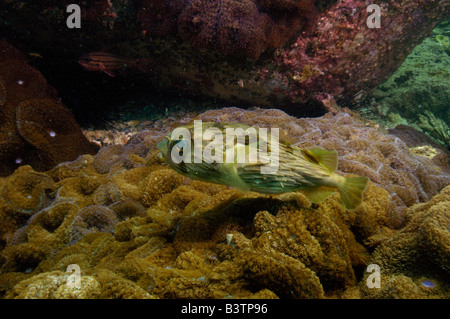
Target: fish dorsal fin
(323, 157)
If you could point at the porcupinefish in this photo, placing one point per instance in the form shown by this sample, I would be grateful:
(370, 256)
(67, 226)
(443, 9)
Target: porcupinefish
(208, 153)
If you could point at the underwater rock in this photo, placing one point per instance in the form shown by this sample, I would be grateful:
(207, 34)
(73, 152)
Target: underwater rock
(159, 18)
(246, 28)
(283, 54)
(35, 128)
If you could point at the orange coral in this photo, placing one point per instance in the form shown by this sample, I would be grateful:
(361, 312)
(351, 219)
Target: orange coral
(416, 254)
(144, 231)
(27, 191)
(108, 157)
(93, 219)
(284, 275)
(127, 208)
(53, 285)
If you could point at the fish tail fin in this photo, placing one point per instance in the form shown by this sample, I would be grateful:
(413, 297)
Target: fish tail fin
(351, 190)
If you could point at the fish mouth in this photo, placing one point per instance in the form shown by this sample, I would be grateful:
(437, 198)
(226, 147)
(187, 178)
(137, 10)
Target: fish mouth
(87, 64)
(162, 146)
(83, 62)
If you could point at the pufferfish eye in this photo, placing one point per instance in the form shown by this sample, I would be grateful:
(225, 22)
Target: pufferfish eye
(180, 146)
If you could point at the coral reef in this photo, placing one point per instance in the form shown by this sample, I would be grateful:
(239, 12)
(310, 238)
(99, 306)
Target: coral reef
(91, 219)
(140, 230)
(159, 18)
(311, 64)
(415, 262)
(25, 190)
(35, 128)
(362, 150)
(53, 285)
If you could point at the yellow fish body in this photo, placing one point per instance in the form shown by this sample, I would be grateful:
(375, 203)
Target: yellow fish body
(288, 168)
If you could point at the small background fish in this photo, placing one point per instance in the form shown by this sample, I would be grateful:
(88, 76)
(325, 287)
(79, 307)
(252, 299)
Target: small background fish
(112, 64)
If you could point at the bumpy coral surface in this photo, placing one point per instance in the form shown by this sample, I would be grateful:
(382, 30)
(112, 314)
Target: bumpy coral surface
(35, 127)
(415, 262)
(246, 28)
(137, 229)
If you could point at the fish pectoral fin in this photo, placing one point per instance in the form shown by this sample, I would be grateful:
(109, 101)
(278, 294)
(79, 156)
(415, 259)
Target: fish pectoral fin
(323, 157)
(352, 190)
(110, 73)
(318, 194)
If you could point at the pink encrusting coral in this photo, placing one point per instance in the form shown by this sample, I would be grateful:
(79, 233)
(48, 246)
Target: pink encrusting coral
(231, 26)
(333, 52)
(245, 28)
(283, 54)
(347, 56)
